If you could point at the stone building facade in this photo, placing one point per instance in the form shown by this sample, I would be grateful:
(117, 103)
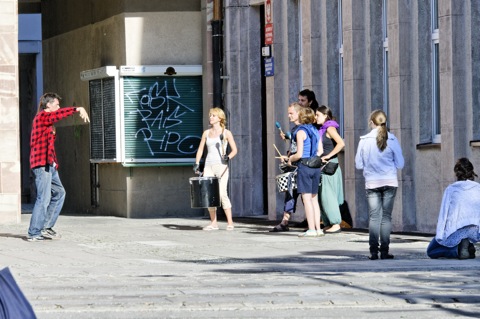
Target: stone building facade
(417, 60)
(9, 111)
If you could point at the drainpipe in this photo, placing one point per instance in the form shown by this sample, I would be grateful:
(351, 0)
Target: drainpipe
(217, 49)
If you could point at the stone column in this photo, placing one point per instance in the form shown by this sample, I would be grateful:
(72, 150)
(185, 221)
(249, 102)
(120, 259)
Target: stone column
(453, 92)
(207, 16)
(281, 90)
(400, 115)
(243, 105)
(10, 195)
(323, 69)
(307, 40)
(354, 104)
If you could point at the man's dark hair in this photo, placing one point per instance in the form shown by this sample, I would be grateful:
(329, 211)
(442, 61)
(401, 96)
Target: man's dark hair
(45, 99)
(310, 95)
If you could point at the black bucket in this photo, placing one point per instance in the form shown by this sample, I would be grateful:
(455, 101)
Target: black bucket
(204, 192)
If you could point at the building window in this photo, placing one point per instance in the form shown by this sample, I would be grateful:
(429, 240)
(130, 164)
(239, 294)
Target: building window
(385, 56)
(436, 124)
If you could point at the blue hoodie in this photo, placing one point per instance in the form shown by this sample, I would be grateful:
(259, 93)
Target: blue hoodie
(379, 165)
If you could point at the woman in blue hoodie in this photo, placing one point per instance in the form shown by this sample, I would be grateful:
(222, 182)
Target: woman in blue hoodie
(380, 156)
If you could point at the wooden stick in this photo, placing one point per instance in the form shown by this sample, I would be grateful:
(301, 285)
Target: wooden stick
(277, 150)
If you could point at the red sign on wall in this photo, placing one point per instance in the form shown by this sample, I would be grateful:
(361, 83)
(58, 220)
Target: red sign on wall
(269, 33)
(268, 11)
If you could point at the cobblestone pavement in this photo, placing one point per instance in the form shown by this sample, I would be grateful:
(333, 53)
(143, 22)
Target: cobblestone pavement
(107, 267)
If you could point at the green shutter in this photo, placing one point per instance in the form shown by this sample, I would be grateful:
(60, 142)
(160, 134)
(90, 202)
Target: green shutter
(162, 118)
(103, 125)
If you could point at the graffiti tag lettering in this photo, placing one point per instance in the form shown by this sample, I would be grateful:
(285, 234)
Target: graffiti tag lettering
(161, 113)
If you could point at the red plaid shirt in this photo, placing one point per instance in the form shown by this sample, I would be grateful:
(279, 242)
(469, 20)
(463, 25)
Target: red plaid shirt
(42, 140)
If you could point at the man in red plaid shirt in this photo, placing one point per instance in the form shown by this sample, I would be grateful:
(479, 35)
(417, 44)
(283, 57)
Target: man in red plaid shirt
(43, 162)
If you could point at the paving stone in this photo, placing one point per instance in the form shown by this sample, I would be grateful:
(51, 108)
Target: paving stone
(108, 267)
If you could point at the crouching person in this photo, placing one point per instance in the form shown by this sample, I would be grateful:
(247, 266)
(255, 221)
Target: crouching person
(459, 219)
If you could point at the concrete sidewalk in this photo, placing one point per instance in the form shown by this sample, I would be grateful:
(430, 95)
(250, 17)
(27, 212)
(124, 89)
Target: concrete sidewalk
(108, 267)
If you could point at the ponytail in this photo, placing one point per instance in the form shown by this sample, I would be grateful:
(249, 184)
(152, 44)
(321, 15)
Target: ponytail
(379, 118)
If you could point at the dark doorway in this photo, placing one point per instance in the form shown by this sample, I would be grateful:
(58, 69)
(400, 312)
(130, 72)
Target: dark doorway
(27, 104)
(264, 111)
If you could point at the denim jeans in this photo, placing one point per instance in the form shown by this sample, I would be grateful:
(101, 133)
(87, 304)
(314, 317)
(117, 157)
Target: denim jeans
(49, 202)
(380, 206)
(435, 250)
(290, 204)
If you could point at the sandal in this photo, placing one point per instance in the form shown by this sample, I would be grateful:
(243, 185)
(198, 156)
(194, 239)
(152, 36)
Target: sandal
(210, 227)
(279, 228)
(230, 227)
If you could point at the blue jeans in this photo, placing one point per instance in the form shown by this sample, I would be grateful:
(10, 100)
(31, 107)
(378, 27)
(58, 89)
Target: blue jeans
(435, 250)
(380, 206)
(290, 204)
(49, 202)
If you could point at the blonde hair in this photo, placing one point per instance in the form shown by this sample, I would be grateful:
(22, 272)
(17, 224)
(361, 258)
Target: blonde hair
(221, 115)
(379, 118)
(305, 114)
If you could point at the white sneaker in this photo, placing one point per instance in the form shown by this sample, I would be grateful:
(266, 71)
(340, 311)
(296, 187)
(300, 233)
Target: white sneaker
(308, 233)
(38, 238)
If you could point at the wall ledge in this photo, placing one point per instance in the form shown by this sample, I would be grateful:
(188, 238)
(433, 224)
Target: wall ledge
(475, 143)
(428, 145)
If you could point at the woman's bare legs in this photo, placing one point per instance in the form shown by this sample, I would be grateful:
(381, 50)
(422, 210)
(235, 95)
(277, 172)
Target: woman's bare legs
(213, 218)
(316, 210)
(228, 214)
(309, 210)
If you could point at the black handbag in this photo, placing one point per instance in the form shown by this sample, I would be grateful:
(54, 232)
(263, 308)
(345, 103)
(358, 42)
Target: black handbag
(313, 162)
(330, 168)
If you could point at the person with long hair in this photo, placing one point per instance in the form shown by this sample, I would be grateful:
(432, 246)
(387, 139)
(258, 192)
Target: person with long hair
(458, 224)
(379, 155)
(331, 189)
(44, 164)
(308, 143)
(217, 138)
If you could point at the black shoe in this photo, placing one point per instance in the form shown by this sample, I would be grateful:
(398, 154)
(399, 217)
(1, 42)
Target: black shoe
(463, 249)
(373, 257)
(386, 256)
(279, 228)
(303, 224)
(49, 233)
